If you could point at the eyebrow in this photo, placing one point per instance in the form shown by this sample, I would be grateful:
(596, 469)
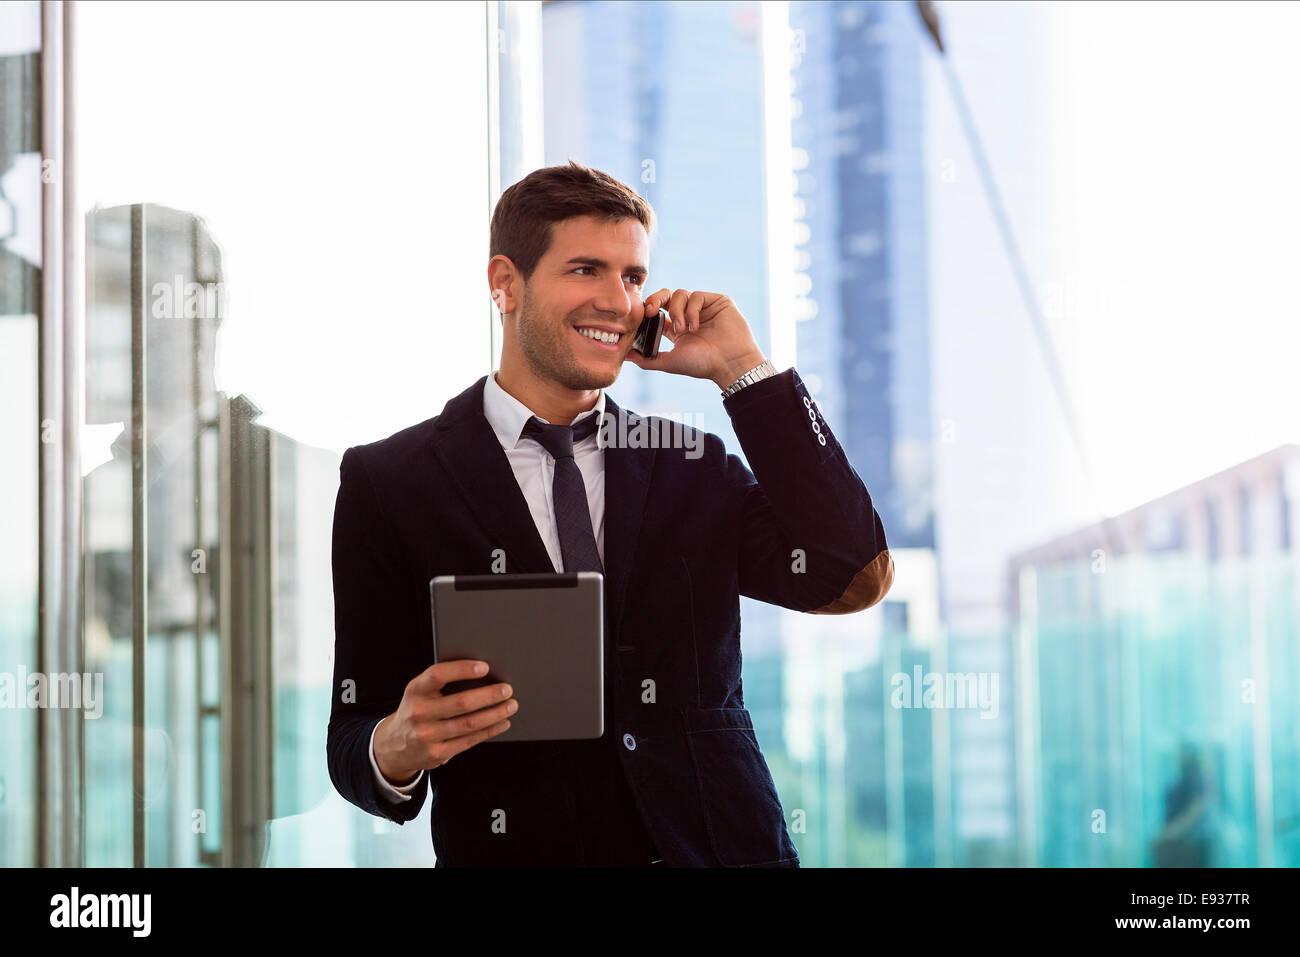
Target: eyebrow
(601, 264)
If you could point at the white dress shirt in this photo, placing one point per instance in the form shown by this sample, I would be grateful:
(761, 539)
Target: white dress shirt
(534, 470)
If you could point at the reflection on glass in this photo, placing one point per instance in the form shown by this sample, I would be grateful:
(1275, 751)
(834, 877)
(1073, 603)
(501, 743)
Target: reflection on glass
(682, 119)
(1059, 716)
(182, 269)
(20, 261)
(238, 521)
(305, 261)
(312, 258)
(1167, 739)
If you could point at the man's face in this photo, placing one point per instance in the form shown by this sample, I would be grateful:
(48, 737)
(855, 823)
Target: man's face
(591, 278)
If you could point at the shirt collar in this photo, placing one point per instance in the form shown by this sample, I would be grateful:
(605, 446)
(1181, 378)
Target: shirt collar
(508, 416)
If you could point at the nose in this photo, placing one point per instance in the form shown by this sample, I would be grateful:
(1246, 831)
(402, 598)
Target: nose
(616, 300)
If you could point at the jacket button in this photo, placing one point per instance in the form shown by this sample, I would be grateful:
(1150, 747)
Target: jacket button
(629, 742)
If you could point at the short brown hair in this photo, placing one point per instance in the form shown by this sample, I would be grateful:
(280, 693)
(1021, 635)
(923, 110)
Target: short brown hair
(522, 221)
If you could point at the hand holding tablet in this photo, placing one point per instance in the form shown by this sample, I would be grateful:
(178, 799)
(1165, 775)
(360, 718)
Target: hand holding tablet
(430, 727)
(541, 633)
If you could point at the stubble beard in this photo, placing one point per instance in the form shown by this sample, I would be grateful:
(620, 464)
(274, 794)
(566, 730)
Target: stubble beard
(550, 354)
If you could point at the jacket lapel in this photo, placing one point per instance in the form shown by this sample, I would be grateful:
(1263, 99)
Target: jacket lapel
(469, 452)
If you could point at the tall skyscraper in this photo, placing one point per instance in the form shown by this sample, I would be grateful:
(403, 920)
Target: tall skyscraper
(863, 344)
(1156, 651)
(669, 97)
(865, 334)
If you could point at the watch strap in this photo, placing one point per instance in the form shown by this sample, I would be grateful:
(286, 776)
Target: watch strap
(763, 370)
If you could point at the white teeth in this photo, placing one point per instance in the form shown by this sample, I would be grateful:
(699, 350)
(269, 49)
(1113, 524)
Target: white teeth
(607, 337)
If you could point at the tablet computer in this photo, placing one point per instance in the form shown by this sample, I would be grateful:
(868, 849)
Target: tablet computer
(542, 633)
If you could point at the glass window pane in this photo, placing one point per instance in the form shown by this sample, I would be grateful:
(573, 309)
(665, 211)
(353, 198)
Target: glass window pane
(20, 262)
(311, 188)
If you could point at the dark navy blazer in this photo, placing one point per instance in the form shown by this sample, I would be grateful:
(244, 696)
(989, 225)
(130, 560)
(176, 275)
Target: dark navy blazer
(684, 538)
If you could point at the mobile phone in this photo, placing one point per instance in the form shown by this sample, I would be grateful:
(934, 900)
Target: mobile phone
(646, 340)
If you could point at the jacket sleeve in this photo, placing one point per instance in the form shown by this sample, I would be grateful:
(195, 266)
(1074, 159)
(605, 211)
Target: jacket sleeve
(809, 537)
(374, 636)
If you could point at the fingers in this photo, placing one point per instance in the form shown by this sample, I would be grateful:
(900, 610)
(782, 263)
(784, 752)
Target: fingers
(677, 308)
(430, 727)
(683, 307)
(652, 306)
(464, 702)
(451, 728)
(694, 303)
(673, 302)
(656, 299)
(455, 746)
(431, 680)
(669, 332)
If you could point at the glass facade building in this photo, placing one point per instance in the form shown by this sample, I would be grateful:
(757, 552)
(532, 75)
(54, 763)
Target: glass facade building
(1159, 646)
(685, 125)
(214, 282)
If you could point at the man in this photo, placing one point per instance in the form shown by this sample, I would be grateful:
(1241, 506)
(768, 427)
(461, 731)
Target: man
(510, 477)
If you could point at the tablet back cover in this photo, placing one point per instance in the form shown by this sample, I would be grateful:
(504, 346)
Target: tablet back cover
(543, 633)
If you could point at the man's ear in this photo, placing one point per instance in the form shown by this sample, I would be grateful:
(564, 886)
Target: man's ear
(502, 280)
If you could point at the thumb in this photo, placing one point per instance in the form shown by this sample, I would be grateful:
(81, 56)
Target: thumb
(640, 361)
(660, 363)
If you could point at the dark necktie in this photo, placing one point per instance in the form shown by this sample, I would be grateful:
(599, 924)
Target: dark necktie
(572, 513)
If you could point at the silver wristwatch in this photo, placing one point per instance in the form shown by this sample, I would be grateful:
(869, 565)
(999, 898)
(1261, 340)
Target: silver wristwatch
(761, 371)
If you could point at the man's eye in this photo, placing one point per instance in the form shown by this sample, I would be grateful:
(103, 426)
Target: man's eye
(635, 280)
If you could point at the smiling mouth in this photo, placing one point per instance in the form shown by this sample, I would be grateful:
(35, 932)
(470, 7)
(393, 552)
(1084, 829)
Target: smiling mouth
(608, 341)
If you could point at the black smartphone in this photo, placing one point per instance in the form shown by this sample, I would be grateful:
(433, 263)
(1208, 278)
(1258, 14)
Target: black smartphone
(646, 340)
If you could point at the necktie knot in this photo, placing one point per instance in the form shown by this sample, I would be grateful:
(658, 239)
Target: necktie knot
(558, 440)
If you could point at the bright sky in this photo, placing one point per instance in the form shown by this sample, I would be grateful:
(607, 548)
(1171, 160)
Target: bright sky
(1176, 168)
(1146, 155)
(338, 157)
(339, 183)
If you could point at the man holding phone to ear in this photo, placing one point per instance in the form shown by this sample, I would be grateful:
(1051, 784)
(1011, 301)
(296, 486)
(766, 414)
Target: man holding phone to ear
(512, 467)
